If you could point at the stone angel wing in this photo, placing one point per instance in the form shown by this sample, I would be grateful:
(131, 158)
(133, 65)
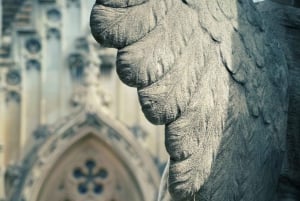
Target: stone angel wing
(209, 71)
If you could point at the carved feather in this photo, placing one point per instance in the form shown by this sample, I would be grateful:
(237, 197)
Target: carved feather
(210, 72)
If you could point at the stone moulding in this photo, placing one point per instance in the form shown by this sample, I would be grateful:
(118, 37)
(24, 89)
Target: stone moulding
(58, 138)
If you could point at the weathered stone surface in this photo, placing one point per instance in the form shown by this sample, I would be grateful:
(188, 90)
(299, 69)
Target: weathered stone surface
(211, 72)
(285, 23)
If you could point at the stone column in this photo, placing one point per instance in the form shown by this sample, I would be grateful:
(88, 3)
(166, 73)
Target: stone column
(0, 21)
(2, 137)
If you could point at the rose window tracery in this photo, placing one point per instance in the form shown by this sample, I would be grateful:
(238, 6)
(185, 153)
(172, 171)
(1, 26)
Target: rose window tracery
(90, 178)
(89, 171)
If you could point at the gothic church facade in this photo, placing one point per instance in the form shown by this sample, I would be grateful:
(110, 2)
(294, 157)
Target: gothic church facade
(70, 130)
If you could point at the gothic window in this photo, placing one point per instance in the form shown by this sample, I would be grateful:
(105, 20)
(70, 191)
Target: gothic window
(89, 171)
(90, 178)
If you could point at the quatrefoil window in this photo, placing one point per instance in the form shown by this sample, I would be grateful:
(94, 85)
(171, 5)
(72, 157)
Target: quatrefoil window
(33, 45)
(88, 178)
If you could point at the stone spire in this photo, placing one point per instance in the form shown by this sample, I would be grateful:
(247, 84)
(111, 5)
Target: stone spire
(89, 94)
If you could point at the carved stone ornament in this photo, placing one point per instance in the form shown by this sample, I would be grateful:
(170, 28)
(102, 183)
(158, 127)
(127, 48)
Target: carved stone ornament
(53, 15)
(210, 72)
(90, 94)
(90, 178)
(13, 77)
(71, 3)
(108, 59)
(33, 64)
(139, 132)
(53, 33)
(83, 44)
(33, 45)
(12, 175)
(13, 95)
(85, 157)
(41, 132)
(77, 63)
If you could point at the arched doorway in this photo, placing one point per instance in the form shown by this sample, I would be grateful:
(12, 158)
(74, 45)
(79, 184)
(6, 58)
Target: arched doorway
(90, 171)
(88, 157)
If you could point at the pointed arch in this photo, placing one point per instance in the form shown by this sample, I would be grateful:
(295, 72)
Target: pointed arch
(111, 142)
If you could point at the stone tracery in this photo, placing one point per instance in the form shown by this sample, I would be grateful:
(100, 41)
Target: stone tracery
(33, 53)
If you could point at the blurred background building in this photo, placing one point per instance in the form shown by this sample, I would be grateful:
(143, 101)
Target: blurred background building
(69, 129)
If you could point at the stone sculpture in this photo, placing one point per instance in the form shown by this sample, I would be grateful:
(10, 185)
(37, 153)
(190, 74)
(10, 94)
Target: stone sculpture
(210, 72)
(284, 21)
